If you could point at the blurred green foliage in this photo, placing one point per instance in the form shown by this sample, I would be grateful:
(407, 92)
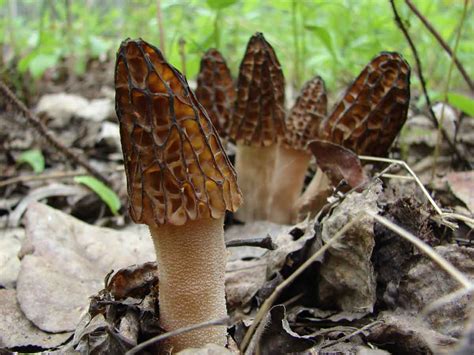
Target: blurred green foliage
(332, 38)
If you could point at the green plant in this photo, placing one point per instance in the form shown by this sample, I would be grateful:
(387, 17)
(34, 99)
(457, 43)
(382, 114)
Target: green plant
(109, 197)
(33, 158)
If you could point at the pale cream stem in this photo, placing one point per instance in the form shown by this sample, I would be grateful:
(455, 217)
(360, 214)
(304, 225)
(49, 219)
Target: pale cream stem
(287, 184)
(191, 270)
(255, 168)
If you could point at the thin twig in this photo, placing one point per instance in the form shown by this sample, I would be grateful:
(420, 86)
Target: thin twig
(442, 42)
(48, 135)
(269, 301)
(182, 54)
(265, 243)
(443, 215)
(446, 89)
(214, 322)
(349, 336)
(402, 27)
(425, 248)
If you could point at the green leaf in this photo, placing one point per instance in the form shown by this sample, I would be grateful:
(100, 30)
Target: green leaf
(461, 102)
(41, 62)
(109, 197)
(220, 4)
(325, 37)
(99, 45)
(33, 158)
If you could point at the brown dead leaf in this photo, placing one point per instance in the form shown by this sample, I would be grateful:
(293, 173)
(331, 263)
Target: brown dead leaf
(462, 185)
(347, 275)
(425, 282)
(17, 331)
(68, 264)
(338, 163)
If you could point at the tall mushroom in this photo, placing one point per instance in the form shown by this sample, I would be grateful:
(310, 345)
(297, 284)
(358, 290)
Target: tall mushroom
(368, 117)
(293, 155)
(215, 90)
(180, 183)
(258, 123)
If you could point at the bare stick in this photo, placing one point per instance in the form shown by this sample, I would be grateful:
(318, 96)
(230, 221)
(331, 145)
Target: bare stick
(442, 42)
(161, 337)
(269, 301)
(349, 336)
(425, 248)
(48, 135)
(442, 214)
(265, 243)
(402, 27)
(182, 54)
(446, 89)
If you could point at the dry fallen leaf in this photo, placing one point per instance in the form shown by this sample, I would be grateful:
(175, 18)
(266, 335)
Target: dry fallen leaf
(68, 263)
(462, 185)
(347, 274)
(17, 331)
(338, 163)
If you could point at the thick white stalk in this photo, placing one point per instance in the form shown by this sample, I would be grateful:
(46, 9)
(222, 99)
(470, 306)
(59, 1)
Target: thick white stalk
(191, 271)
(287, 184)
(255, 168)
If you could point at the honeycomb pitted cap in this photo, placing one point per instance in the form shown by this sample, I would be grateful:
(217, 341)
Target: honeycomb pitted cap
(259, 114)
(176, 167)
(374, 108)
(216, 90)
(306, 115)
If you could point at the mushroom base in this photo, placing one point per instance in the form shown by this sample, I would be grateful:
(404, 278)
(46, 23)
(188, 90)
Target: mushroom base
(191, 270)
(315, 196)
(287, 184)
(255, 167)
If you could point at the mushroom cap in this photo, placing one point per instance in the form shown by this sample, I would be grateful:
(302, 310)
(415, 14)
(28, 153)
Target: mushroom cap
(374, 108)
(215, 89)
(310, 108)
(176, 167)
(259, 115)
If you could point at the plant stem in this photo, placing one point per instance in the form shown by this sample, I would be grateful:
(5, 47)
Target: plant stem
(217, 29)
(161, 29)
(296, 43)
(432, 116)
(446, 89)
(442, 42)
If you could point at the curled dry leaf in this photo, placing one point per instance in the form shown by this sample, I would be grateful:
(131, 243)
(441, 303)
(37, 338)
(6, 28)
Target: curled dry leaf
(17, 331)
(67, 264)
(425, 283)
(259, 114)
(134, 281)
(339, 163)
(176, 167)
(276, 336)
(347, 275)
(374, 108)
(215, 90)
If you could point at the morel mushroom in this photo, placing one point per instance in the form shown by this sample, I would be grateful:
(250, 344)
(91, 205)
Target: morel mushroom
(258, 123)
(180, 183)
(293, 156)
(215, 90)
(369, 116)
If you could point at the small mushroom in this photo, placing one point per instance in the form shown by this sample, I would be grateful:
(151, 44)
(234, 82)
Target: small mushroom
(215, 90)
(258, 123)
(180, 183)
(293, 156)
(368, 117)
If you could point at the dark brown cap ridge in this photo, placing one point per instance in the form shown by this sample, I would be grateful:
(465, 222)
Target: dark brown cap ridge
(306, 115)
(374, 108)
(259, 114)
(216, 90)
(176, 167)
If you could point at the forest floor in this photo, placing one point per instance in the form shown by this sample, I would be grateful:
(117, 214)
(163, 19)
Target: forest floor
(372, 292)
